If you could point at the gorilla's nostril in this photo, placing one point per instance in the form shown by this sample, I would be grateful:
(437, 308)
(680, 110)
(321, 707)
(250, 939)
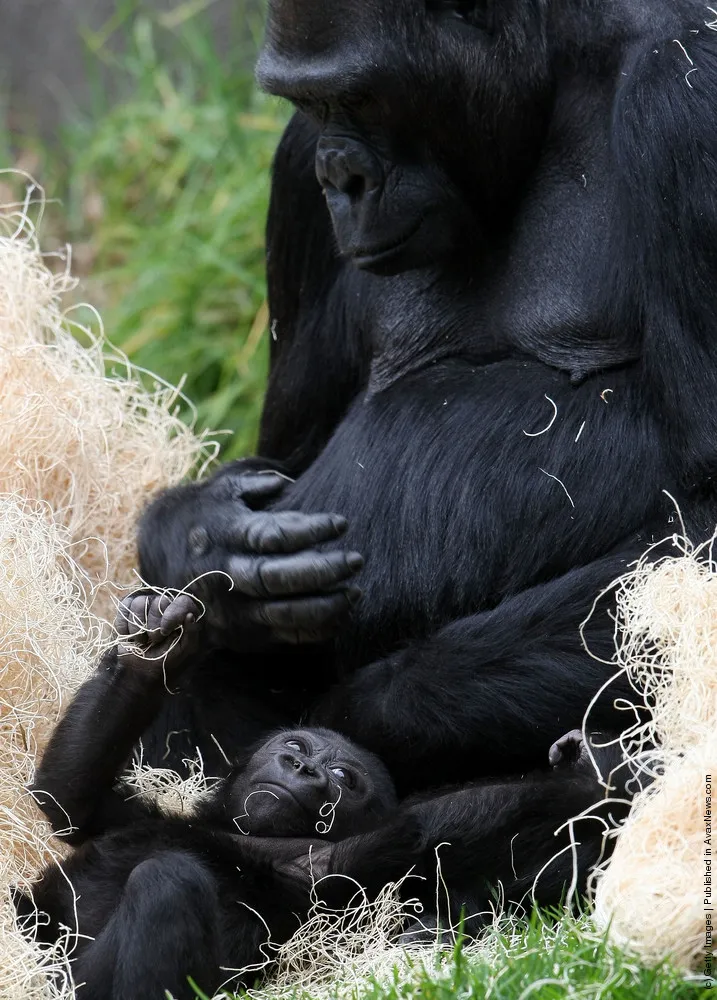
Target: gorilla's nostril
(344, 175)
(347, 167)
(354, 187)
(303, 767)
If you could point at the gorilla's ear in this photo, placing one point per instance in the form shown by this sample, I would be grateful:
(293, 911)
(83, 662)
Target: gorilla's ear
(665, 144)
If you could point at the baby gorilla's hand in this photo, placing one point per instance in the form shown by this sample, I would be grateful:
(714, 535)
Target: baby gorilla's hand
(569, 751)
(601, 757)
(158, 633)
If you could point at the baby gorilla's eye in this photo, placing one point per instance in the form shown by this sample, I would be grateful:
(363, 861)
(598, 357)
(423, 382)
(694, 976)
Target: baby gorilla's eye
(295, 745)
(345, 776)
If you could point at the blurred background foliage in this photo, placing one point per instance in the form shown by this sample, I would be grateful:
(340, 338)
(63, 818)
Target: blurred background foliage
(163, 194)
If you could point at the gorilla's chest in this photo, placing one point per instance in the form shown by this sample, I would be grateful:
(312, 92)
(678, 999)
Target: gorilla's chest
(455, 498)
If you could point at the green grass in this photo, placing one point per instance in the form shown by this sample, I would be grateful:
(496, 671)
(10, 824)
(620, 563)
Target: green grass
(551, 962)
(541, 959)
(164, 197)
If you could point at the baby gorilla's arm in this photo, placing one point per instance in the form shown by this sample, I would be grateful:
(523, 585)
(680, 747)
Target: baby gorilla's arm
(74, 784)
(298, 861)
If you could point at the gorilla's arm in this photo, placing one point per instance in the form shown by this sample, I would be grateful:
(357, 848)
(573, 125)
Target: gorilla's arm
(89, 748)
(473, 696)
(320, 359)
(74, 784)
(510, 834)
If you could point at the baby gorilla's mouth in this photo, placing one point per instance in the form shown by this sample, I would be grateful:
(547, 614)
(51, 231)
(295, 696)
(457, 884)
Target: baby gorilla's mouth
(282, 791)
(271, 809)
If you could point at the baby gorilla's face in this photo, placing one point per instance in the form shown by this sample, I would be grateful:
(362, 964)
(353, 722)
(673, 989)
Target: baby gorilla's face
(308, 783)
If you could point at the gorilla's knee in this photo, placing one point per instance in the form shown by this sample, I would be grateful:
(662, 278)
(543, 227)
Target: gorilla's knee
(165, 929)
(171, 875)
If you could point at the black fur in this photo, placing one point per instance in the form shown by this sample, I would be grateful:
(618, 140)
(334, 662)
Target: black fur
(155, 899)
(559, 164)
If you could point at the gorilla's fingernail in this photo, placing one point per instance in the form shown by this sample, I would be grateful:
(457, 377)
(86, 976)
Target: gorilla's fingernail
(340, 523)
(354, 561)
(354, 595)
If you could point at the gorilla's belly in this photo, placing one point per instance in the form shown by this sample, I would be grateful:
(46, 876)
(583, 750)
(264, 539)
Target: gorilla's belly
(455, 499)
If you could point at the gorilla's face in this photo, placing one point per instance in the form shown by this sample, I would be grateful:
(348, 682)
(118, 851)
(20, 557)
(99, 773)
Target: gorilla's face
(429, 114)
(309, 782)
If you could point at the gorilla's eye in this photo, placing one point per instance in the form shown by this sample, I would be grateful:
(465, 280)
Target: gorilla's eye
(478, 13)
(345, 776)
(296, 745)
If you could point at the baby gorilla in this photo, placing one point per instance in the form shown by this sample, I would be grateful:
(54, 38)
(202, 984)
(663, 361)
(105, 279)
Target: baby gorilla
(156, 899)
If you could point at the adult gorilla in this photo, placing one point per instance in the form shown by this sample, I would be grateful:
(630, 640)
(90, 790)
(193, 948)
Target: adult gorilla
(513, 221)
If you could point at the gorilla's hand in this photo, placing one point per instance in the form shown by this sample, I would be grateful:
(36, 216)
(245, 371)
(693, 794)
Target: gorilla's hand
(569, 751)
(301, 860)
(257, 571)
(158, 633)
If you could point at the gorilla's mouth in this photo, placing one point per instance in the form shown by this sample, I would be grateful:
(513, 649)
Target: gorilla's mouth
(376, 257)
(274, 787)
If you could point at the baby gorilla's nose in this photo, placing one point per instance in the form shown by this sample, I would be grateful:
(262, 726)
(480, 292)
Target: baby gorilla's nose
(304, 772)
(303, 767)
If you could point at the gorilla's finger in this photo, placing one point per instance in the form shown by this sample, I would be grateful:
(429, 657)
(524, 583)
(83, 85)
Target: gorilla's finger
(304, 573)
(139, 605)
(267, 533)
(131, 620)
(182, 607)
(308, 614)
(260, 487)
(154, 613)
(122, 625)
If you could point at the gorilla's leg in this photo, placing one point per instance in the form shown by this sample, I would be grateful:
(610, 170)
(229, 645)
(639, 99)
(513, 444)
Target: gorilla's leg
(165, 929)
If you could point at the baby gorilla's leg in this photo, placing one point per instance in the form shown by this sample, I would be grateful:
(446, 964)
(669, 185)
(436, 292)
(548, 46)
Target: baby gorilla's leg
(165, 929)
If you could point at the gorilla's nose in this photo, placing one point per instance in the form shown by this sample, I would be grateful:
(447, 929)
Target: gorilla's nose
(304, 771)
(303, 768)
(348, 167)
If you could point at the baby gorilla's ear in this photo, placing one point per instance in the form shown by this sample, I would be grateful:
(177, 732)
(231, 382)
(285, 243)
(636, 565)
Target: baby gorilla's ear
(158, 633)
